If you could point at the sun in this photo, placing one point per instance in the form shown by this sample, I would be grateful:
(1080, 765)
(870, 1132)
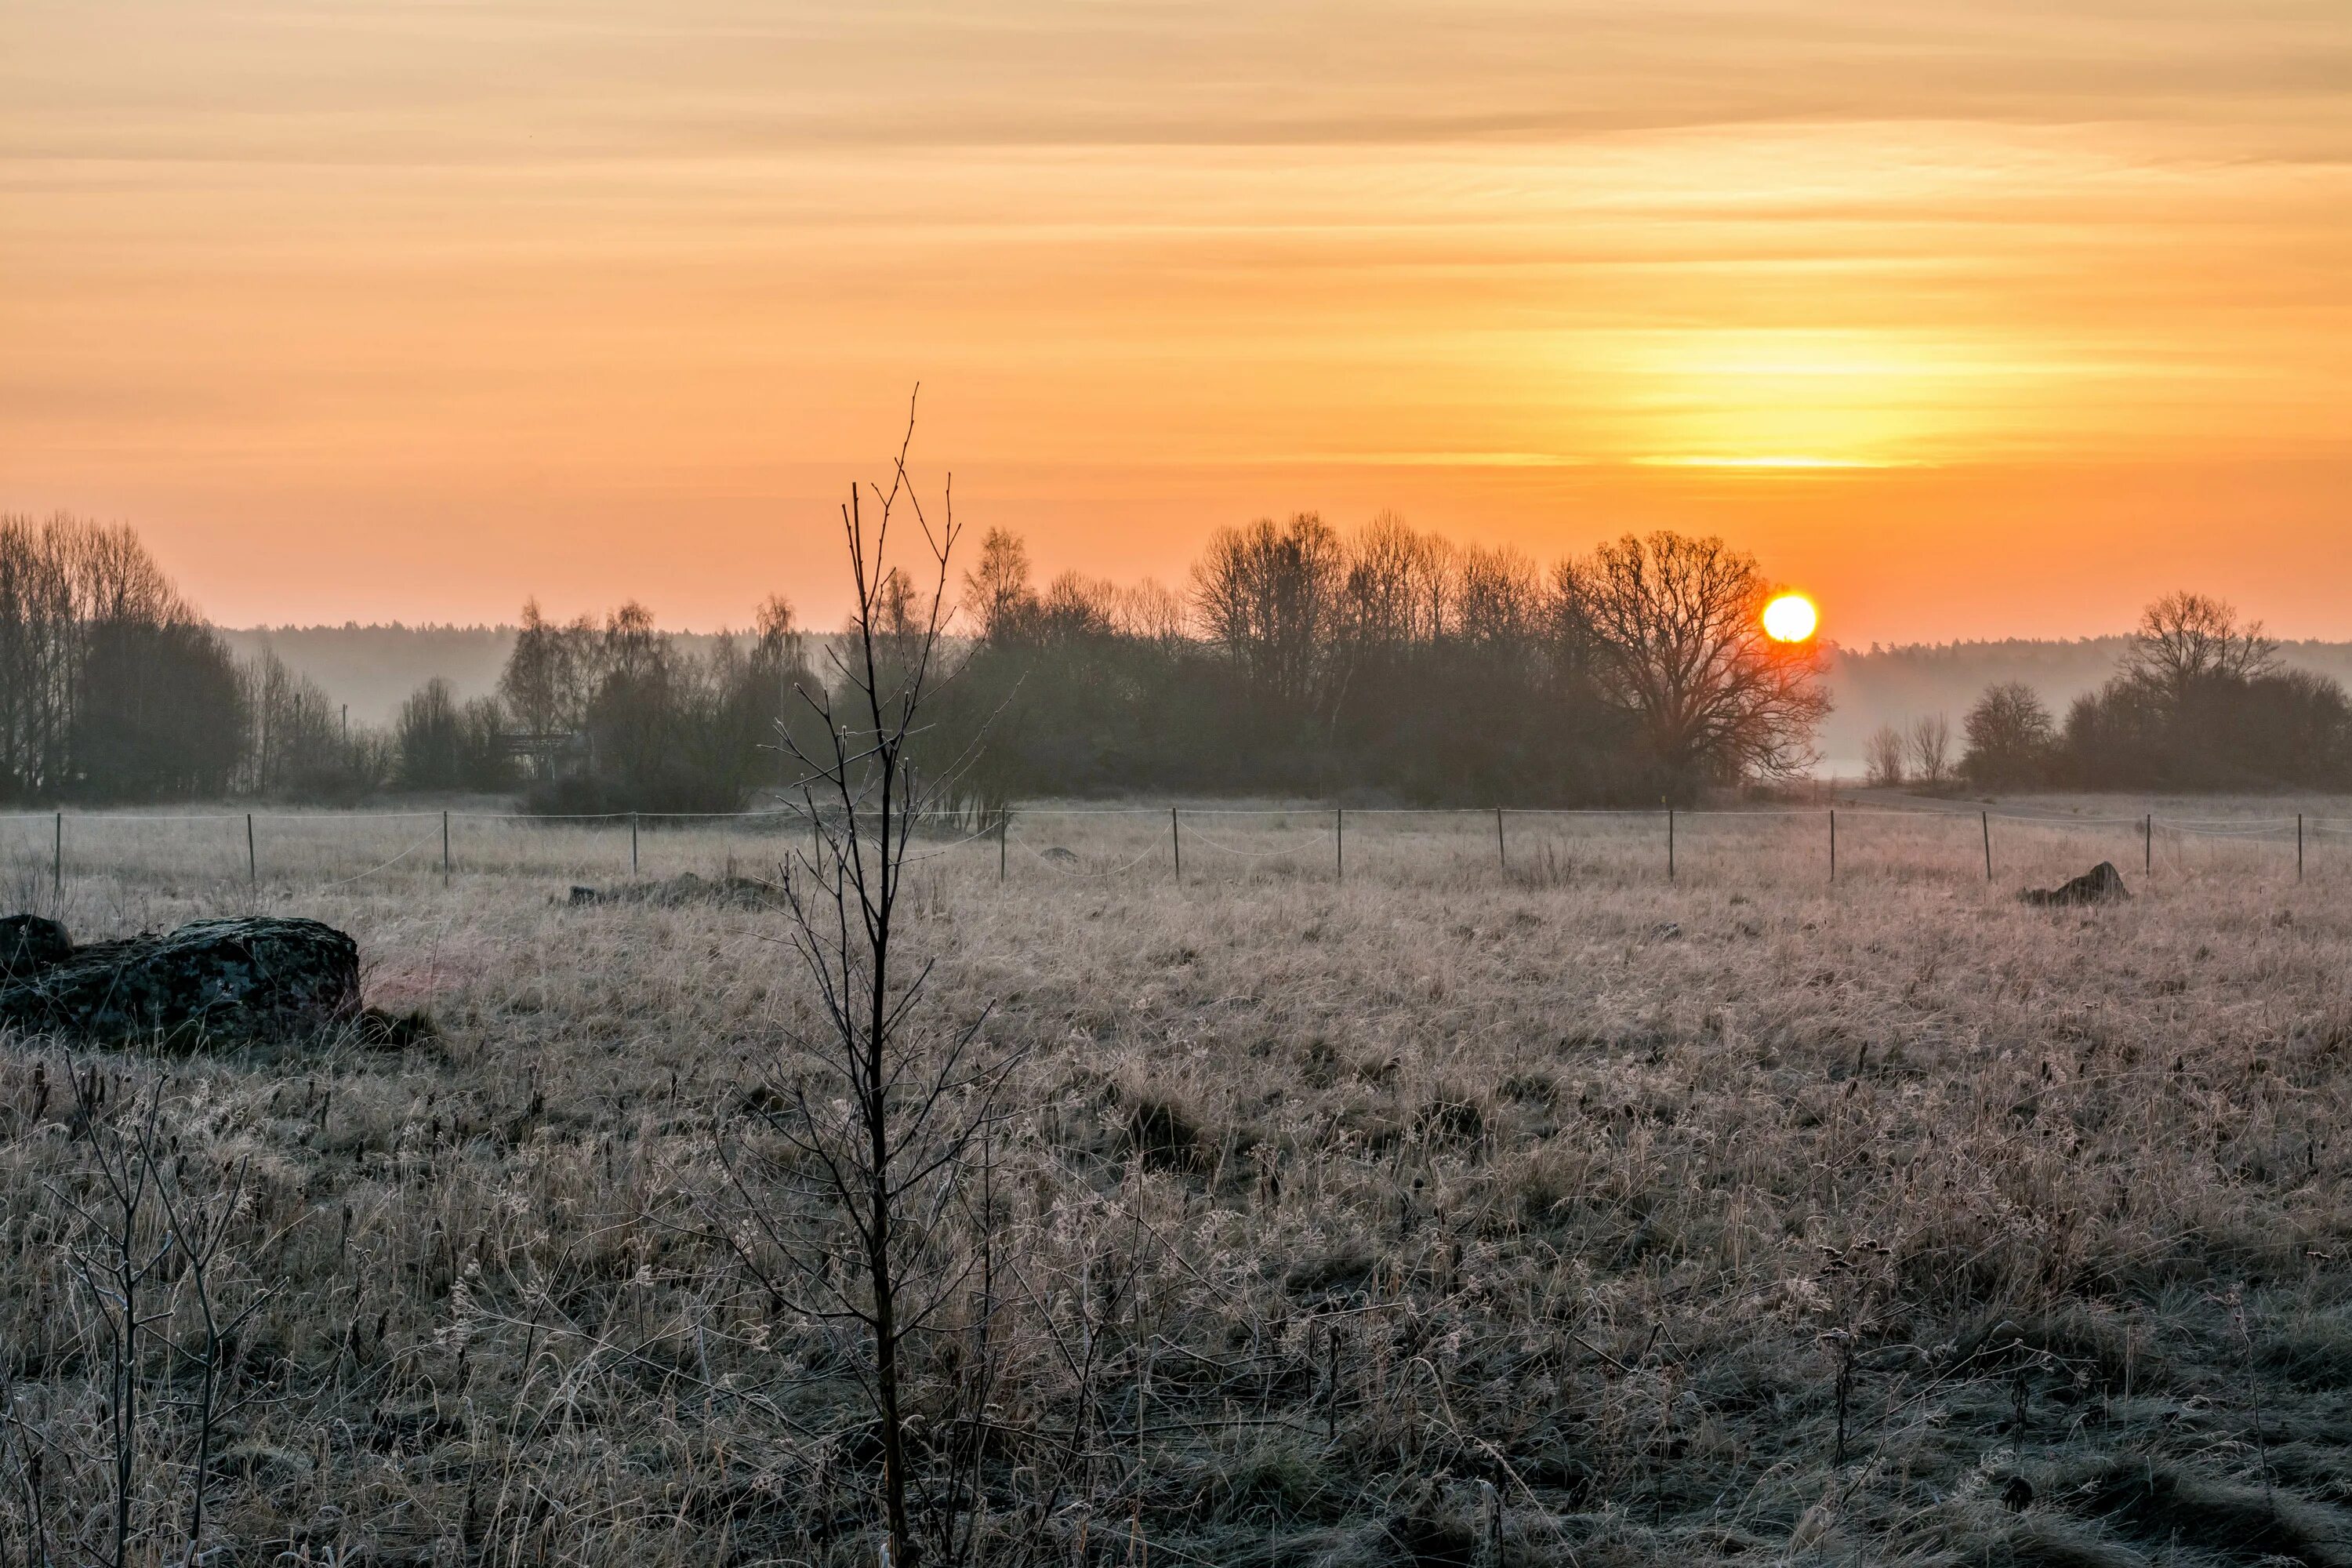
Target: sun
(1791, 618)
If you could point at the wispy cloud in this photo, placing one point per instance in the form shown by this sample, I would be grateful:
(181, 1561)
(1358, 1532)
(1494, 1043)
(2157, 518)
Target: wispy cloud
(516, 259)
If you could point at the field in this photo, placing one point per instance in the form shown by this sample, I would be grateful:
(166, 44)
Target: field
(1490, 1205)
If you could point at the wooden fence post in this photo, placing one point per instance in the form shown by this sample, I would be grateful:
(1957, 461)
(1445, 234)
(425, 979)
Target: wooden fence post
(445, 848)
(1834, 844)
(2147, 845)
(1502, 854)
(1002, 820)
(632, 843)
(1670, 844)
(1986, 818)
(58, 860)
(1176, 843)
(252, 860)
(1339, 843)
(2298, 847)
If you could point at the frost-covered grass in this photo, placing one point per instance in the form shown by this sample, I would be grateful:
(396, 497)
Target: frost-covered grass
(1604, 1193)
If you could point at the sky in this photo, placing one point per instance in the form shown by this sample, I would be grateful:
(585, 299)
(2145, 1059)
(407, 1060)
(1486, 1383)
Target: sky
(1981, 320)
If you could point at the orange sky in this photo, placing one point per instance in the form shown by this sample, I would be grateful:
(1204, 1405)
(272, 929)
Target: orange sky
(1977, 321)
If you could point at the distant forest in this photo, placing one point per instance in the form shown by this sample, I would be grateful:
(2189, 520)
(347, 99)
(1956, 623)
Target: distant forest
(1383, 665)
(1387, 662)
(1897, 684)
(2195, 699)
(374, 669)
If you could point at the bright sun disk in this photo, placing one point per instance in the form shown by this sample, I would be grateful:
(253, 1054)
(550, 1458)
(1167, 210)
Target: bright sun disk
(1791, 618)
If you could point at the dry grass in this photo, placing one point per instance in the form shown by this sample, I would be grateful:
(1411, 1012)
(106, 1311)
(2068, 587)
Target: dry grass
(1589, 1188)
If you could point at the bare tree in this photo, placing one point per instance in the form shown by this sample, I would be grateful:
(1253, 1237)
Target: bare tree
(1397, 590)
(1269, 596)
(1931, 751)
(1076, 605)
(1496, 596)
(2184, 639)
(546, 683)
(1152, 612)
(998, 596)
(851, 1169)
(1676, 630)
(1886, 752)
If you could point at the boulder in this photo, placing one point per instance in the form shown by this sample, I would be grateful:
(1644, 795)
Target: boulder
(223, 980)
(2099, 885)
(29, 944)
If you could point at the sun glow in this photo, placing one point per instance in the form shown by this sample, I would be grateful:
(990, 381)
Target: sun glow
(1791, 618)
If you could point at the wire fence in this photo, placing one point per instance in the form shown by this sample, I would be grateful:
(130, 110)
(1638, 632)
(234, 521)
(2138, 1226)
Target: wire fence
(1181, 843)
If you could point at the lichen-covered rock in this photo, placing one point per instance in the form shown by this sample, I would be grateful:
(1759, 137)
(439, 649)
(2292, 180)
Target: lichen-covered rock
(30, 944)
(223, 980)
(2101, 884)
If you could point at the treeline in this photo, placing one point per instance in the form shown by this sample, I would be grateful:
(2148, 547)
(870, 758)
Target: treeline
(113, 689)
(616, 716)
(2198, 701)
(1298, 660)
(1391, 663)
(602, 716)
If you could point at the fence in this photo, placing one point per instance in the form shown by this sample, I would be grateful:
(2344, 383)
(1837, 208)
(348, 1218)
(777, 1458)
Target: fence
(1181, 843)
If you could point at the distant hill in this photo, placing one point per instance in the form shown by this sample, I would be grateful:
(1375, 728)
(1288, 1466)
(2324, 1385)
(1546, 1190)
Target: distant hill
(1895, 685)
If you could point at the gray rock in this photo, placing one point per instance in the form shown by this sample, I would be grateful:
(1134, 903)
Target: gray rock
(211, 981)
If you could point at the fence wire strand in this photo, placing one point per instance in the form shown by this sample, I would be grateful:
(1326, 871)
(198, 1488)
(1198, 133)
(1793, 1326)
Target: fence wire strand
(108, 842)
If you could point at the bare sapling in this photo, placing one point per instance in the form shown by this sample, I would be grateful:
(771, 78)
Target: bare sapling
(853, 1170)
(166, 1296)
(201, 1226)
(117, 1253)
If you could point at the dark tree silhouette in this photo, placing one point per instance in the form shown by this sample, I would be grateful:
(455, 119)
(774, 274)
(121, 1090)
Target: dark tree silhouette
(111, 685)
(1268, 597)
(2184, 639)
(1677, 637)
(2010, 739)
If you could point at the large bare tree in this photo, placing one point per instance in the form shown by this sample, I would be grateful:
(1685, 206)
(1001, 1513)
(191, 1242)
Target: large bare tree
(2185, 639)
(1677, 643)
